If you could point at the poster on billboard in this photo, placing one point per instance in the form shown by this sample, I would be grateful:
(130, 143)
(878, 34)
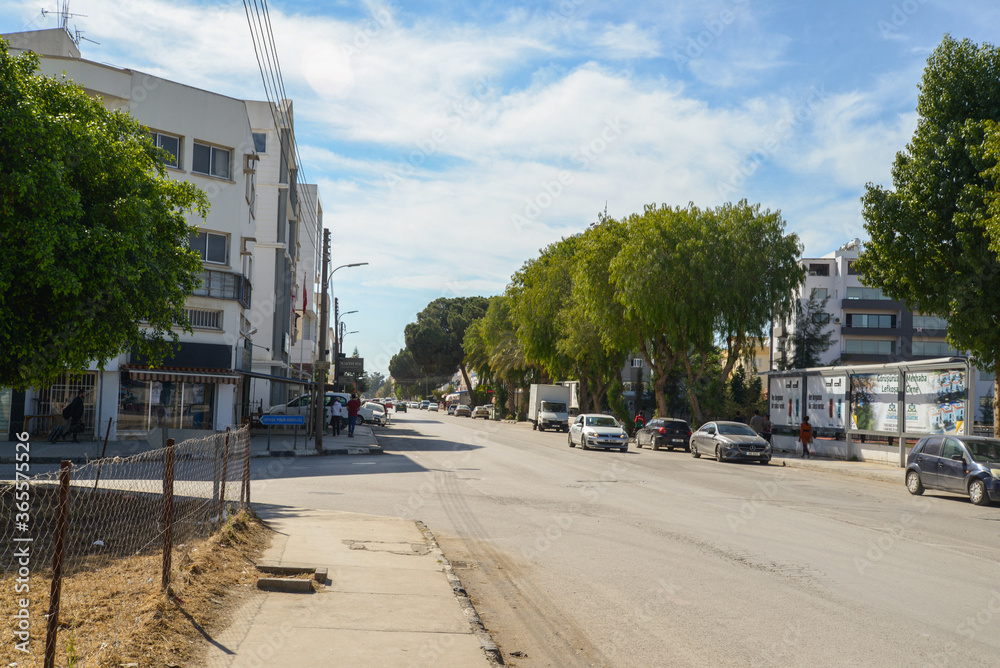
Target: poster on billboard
(826, 400)
(935, 401)
(875, 402)
(784, 400)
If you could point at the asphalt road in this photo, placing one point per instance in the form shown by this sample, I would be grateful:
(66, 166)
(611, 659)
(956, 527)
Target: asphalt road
(657, 559)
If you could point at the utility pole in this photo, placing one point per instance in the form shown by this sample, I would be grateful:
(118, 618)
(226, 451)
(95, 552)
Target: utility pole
(319, 409)
(336, 341)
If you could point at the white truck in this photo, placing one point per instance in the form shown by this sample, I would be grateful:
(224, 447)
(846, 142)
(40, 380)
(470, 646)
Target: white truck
(548, 407)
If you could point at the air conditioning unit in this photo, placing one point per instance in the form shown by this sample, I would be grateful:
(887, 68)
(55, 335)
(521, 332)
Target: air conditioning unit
(836, 321)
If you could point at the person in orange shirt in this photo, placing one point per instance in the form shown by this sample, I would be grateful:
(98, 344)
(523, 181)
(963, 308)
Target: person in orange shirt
(805, 436)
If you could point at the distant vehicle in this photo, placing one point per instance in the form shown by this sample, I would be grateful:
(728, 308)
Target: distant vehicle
(432, 406)
(591, 430)
(960, 464)
(664, 433)
(400, 406)
(415, 405)
(424, 404)
(371, 412)
(451, 409)
(548, 407)
(730, 440)
(481, 411)
(463, 411)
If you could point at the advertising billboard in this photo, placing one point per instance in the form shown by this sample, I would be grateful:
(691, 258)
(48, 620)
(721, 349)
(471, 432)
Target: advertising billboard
(935, 401)
(784, 400)
(875, 402)
(826, 399)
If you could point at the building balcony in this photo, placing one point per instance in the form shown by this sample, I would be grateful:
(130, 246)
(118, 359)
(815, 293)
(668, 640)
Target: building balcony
(871, 304)
(224, 285)
(870, 331)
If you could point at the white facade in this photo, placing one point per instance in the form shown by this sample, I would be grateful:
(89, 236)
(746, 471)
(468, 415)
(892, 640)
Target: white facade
(210, 136)
(866, 326)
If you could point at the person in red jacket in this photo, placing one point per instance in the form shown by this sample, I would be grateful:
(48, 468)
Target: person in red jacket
(352, 414)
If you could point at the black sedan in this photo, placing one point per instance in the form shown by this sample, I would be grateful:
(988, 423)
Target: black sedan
(730, 440)
(664, 433)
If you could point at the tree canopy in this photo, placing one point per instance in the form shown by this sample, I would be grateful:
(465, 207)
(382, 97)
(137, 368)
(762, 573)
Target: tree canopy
(96, 259)
(435, 339)
(934, 240)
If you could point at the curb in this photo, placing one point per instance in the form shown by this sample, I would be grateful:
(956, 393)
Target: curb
(360, 450)
(493, 653)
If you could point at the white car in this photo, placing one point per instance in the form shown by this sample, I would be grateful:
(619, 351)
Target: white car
(371, 412)
(302, 405)
(432, 407)
(593, 430)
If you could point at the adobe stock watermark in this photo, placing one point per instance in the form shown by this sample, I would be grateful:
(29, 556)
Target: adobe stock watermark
(890, 536)
(583, 157)
(899, 17)
(371, 29)
(758, 500)
(460, 112)
(714, 28)
(563, 12)
(982, 621)
(778, 135)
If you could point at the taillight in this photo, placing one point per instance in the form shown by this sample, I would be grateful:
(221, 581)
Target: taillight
(663, 430)
(689, 432)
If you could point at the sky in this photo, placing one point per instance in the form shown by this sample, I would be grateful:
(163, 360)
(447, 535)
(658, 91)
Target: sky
(451, 141)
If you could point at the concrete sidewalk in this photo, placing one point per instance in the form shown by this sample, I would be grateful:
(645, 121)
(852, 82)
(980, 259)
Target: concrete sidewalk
(391, 599)
(869, 470)
(280, 444)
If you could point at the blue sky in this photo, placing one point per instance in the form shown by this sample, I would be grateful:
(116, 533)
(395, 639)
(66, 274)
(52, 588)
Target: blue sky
(453, 140)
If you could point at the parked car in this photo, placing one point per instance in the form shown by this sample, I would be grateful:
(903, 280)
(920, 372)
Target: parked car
(424, 404)
(371, 412)
(463, 411)
(451, 409)
(432, 406)
(401, 406)
(730, 440)
(961, 464)
(302, 405)
(481, 411)
(592, 430)
(664, 433)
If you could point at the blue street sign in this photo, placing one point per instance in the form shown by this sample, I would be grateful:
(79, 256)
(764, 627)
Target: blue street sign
(282, 419)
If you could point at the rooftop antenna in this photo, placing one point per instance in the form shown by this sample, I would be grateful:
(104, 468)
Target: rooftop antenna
(63, 13)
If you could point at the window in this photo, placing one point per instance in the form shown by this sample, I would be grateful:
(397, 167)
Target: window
(636, 362)
(871, 320)
(952, 449)
(819, 270)
(212, 247)
(821, 318)
(935, 348)
(819, 294)
(869, 347)
(204, 319)
(170, 144)
(852, 269)
(932, 447)
(865, 293)
(929, 322)
(260, 142)
(144, 405)
(210, 160)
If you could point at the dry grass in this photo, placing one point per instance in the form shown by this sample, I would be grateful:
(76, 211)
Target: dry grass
(115, 614)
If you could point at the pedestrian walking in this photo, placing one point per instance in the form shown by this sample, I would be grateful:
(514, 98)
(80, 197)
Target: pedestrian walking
(337, 417)
(805, 436)
(640, 421)
(352, 414)
(757, 422)
(766, 433)
(74, 416)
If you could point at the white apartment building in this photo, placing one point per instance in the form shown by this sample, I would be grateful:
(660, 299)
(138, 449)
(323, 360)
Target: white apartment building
(867, 326)
(249, 240)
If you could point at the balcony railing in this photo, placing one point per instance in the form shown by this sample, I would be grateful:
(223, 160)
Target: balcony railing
(224, 285)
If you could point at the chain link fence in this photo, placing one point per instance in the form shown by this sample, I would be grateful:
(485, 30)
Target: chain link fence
(95, 546)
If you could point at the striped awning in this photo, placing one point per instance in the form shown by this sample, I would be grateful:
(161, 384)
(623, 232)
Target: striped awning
(183, 375)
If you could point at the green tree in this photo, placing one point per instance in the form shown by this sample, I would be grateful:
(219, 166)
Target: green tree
(435, 339)
(811, 336)
(934, 240)
(407, 374)
(95, 236)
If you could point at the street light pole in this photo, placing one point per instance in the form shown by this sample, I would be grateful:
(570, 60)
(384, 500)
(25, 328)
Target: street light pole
(319, 409)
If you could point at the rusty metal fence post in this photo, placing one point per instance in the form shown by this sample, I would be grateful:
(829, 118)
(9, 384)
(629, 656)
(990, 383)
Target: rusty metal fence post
(57, 564)
(222, 481)
(168, 511)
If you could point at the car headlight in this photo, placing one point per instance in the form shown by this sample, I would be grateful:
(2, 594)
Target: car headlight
(623, 435)
(589, 432)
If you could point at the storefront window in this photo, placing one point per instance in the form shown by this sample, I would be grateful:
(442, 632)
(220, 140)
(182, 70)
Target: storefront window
(145, 405)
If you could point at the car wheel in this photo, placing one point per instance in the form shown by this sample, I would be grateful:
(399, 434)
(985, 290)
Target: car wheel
(670, 448)
(695, 453)
(913, 484)
(653, 444)
(359, 420)
(718, 454)
(687, 448)
(569, 437)
(977, 493)
(638, 443)
(765, 462)
(625, 449)
(541, 428)
(583, 442)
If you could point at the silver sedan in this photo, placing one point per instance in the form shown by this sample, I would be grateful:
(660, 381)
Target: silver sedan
(593, 430)
(730, 440)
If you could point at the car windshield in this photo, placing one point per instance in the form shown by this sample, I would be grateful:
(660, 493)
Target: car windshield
(601, 421)
(736, 430)
(553, 407)
(985, 451)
